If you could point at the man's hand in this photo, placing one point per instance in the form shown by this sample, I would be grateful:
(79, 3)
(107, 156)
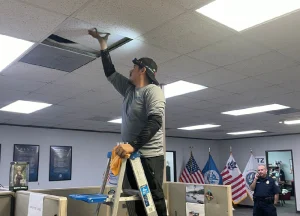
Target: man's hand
(102, 40)
(124, 149)
(256, 176)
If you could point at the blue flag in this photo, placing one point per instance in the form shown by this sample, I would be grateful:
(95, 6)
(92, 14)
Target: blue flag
(211, 173)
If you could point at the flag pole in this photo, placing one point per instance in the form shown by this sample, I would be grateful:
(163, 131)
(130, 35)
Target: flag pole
(230, 150)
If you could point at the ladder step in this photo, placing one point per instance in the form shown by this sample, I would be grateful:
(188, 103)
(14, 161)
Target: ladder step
(90, 198)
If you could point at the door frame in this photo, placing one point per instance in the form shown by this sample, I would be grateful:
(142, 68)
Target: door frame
(267, 164)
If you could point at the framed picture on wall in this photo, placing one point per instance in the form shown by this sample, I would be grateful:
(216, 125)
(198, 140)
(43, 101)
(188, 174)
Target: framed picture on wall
(60, 163)
(28, 153)
(171, 175)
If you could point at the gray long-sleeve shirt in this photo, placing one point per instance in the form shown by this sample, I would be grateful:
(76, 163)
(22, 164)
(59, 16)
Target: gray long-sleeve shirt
(138, 104)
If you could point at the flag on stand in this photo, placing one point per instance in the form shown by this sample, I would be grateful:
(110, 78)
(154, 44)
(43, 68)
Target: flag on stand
(249, 174)
(191, 172)
(232, 175)
(211, 173)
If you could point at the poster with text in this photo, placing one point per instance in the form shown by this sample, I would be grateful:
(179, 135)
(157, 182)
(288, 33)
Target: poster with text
(30, 154)
(60, 163)
(261, 160)
(194, 194)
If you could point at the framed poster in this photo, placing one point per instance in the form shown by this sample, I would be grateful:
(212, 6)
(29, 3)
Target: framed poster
(30, 154)
(171, 175)
(60, 163)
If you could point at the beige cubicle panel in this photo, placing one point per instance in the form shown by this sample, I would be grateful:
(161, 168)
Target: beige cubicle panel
(80, 208)
(6, 203)
(53, 205)
(221, 204)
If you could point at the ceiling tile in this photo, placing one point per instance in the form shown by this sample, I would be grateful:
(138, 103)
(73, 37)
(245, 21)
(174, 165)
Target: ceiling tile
(180, 101)
(186, 33)
(190, 4)
(207, 94)
(202, 105)
(129, 18)
(229, 51)
(23, 21)
(292, 51)
(53, 111)
(20, 85)
(165, 79)
(184, 66)
(268, 92)
(137, 49)
(277, 33)
(8, 96)
(60, 90)
(244, 85)
(215, 77)
(264, 63)
(177, 110)
(66, 7)
(92, 81)
(44, 98)
(92, 98)
(281, 76)
(25, 71)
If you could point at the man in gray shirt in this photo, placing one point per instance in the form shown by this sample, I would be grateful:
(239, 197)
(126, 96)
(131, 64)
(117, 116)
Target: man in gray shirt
(142, 113)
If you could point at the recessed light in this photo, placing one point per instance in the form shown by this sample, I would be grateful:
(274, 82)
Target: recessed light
(25, 107)
(181, 87)
(198, 127)
(258, 109)
(246, 132)
(118, 121)
(243, 14)
(291, 122)
(11, 49)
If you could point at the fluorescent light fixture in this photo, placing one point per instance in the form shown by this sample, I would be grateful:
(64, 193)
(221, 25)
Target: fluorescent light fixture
(243, 14)
(291, 122)
(10, 49)
(118, 121)
(246, 132)
(258, 109)
(25, 107)
(198, 127)
(181, 87)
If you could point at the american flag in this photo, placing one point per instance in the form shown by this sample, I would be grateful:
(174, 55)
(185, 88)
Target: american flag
(232, 175)
(191, 172)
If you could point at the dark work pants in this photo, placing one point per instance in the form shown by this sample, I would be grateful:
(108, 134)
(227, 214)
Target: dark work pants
(262, 208)
(154, 168)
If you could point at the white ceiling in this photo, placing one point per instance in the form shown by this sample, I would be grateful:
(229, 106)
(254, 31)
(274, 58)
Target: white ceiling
(255, 67)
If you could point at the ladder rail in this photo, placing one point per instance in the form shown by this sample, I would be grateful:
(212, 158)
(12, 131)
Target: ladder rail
(128, 195)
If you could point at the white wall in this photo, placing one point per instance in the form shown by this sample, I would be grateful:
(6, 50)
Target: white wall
(89, 153)
(284, 157)
(241, 152)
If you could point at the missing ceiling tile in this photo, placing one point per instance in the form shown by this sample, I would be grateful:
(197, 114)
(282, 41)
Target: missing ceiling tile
(70, 48)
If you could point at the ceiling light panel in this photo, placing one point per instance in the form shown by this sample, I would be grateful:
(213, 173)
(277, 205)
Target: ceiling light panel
(25, 107)
(199, 127)
(243, 14)
(291, 122)
(257, 109)
(181, 87)
(246, 132)
(11, 49)
(117, 121)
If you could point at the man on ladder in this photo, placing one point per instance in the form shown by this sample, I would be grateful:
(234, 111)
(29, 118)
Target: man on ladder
(142, 115)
